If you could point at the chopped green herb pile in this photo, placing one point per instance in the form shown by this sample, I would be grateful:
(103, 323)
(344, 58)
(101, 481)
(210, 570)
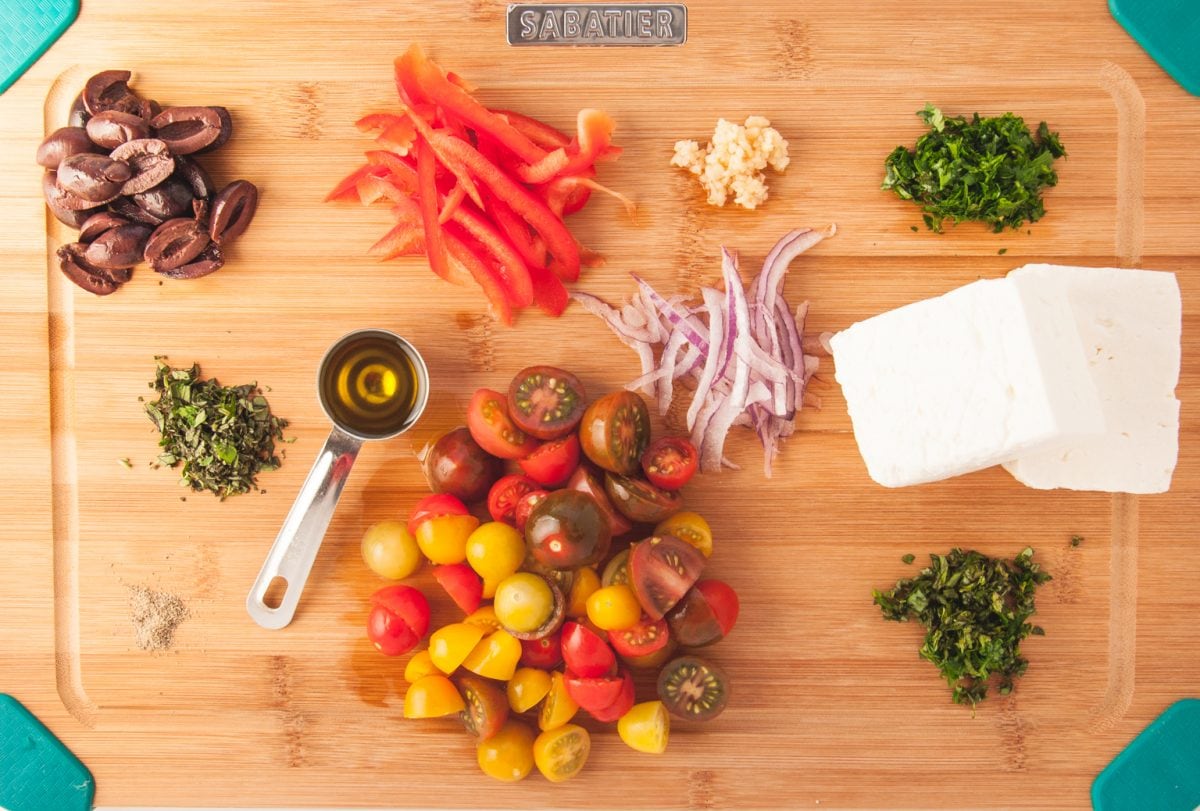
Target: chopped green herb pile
(987, 169)
(974, 609)
(223, 435)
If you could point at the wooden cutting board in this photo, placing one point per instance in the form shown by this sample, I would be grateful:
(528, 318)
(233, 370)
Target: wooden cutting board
(832, 705)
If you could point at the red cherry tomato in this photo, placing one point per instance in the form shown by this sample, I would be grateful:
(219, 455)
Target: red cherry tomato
(670, 462)
(593, 694)
(463, 585)
(554, 462)
(434, 506)
(505, 495)
(723, 601)
(620, 705)
(545, 653)
(525, 506)
(399, 618)
(494, 430)
(585, 481)
(647, 637)
(586, 654)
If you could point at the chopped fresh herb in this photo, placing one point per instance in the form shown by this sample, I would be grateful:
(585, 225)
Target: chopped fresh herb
(1002, 251)
(987, 169)
(223, 435)
(124, 460)
(908, 558)
(1076, 540)
(913, 228)
(974, 609)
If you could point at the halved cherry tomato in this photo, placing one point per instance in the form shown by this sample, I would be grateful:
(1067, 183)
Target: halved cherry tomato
(493, 429)
(616, 571)
(527, 687)
(585, 481)
(639, 500)
(434, 506)
(723, 600)
(670, 462)
(690, 527)
(505, 494)
(461, 583)
(585, 585)
(525, 507)
(399, 618)
(494, 657)
(545, 653)
(646, 727)
(432, 697)
(546, 401)
(661, 570)
(706, 614)
(419, 666)
(455, 464)
(484, 617)
(593, 694)
(644, 639)
(620, 704)
(558, 707)
(451, 644)
(508, 755)
(486, 706)
(560, 753)
(554, 462)
(614, 608)
(615, 431)
(585, 653)
(444, 539)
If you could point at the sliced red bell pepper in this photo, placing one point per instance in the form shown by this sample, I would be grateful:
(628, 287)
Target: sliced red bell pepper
(405, 239)
(453, 164)
(435, 245)
(347, 188)
(595, 128)
(421, 79)
(451, 203)
(510, 264)
(377, 121)
(548, 292)
(517, 231)
(398, 137)
(372, 188)
(485, 276)
(528, 206)
(541, 133)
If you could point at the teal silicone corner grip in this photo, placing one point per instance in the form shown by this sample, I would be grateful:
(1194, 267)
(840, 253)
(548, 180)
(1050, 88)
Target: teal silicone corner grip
(36, 771)
(1169, 30)
(27, 29)
(1160, 769)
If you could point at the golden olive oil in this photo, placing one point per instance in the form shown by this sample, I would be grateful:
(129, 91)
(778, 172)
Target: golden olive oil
(370, 385)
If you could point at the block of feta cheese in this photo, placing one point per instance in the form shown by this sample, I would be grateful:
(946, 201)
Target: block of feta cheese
(1129, 325)
(986, 373)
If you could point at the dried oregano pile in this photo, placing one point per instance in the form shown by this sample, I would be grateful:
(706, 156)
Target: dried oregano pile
(223, 435)
(975, 610)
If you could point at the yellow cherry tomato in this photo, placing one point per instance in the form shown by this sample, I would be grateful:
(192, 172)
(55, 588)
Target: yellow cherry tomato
(495, 657)
(495, 550)
(507, 755)
(646, 727)
(390, 551)
(586, 583)
(690, 527)
(450, 644)
(419, 666)
(432, 697)
(527, 687)
(524, 602)
(444, 539)
(561, 753)
(614, 608)
(559, 707)
(485, 618)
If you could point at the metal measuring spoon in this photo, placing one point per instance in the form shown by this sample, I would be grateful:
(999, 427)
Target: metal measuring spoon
(295, 549)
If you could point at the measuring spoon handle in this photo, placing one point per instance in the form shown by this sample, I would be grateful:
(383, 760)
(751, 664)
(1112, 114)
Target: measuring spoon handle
(295, 548)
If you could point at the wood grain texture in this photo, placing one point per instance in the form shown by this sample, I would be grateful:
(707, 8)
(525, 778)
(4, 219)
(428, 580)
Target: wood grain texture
(830, 699)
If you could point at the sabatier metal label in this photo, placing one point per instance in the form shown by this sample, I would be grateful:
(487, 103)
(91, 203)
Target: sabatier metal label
(597, 24)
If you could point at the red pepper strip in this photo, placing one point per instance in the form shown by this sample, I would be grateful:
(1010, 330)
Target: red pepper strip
(510, 264)
(405, 239)
(401, 170)
(576, 199)
(595, 129)
(408, 212)
(548, 292)
(542, 134)
(455, 79)
(415, 71)
(484, 276)
(558, 239)
(435, 244)
(455, 166)
(372, 188)
(398, 137)
(347, 189)
(517, 231)
(377, 121)
(452, 202)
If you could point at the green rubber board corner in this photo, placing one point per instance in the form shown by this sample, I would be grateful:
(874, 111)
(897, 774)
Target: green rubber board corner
(1160, 769)
(1169, 30)
(36, 771)
(27, 29)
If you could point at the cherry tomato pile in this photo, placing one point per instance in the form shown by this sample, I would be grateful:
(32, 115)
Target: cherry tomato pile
(558, 607)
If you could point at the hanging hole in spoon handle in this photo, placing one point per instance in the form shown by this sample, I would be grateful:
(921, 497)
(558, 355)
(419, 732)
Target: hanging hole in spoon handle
(295, 548)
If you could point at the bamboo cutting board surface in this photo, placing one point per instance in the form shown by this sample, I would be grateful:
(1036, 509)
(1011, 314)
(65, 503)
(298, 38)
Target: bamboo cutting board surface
(832, 707)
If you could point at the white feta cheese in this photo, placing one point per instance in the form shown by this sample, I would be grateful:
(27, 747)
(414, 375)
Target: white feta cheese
(986, 373)
(1129, 324)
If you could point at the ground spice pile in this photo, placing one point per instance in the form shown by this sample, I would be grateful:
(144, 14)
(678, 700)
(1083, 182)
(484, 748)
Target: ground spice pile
(156, 615)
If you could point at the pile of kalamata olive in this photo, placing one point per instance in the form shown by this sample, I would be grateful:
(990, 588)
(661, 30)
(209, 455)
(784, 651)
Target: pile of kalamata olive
(120, 172)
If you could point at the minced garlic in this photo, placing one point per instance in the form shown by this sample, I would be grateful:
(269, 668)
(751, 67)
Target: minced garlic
(734, 160)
